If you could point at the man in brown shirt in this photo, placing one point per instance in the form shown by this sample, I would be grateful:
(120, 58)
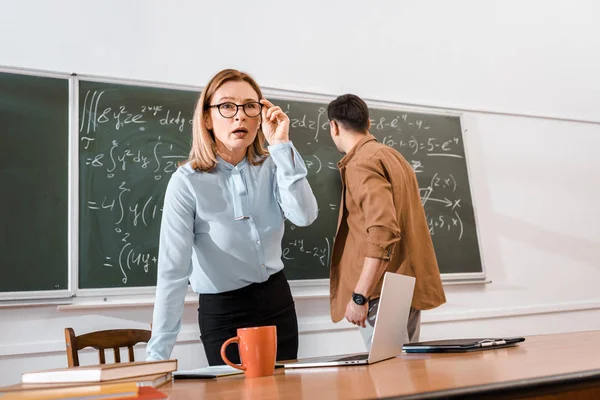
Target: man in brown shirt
(381, 226)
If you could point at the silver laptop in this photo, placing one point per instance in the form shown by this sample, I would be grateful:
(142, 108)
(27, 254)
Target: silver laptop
(390, 331)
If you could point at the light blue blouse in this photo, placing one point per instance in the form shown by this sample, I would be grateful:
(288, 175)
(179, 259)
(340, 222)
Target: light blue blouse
(222, 230)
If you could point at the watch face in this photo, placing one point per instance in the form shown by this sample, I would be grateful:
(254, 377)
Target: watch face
(358, 299)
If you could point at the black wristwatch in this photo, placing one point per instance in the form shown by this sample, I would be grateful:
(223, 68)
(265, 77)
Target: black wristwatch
(359, 299)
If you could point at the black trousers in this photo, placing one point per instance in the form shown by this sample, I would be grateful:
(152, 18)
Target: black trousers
(258, 304)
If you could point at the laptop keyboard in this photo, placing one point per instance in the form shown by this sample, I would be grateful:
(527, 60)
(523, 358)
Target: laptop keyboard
(353, 358)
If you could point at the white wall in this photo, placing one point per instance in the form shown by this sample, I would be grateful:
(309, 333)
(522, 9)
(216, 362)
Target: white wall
(535, 180)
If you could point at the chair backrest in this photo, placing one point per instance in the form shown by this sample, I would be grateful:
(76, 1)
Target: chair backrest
(100, 340)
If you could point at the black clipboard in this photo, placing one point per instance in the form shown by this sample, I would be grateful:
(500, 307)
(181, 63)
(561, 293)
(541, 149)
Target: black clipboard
(461, 345)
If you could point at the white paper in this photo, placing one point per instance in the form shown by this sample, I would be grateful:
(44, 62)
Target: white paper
(217, 370)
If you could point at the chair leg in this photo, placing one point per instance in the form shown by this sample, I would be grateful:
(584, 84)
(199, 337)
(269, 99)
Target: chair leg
(117, 354)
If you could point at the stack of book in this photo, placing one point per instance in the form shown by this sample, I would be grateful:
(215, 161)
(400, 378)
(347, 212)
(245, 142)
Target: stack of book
(131, 380)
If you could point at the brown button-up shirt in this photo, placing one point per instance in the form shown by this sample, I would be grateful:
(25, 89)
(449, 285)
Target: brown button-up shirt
(381, 216)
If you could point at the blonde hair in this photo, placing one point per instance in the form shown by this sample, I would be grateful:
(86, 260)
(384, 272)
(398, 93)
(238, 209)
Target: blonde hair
(203, 155)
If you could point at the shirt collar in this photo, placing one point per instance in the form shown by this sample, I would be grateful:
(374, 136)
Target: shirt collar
(228, 167)
(346, 159)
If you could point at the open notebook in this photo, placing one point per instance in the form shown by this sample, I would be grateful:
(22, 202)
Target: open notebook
(206, 372)
(213, 371)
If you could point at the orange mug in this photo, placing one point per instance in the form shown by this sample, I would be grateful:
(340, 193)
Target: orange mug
(258, 349)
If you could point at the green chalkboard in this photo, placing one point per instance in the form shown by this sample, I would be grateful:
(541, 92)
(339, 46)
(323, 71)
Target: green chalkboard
(131, 138)
(34, 123)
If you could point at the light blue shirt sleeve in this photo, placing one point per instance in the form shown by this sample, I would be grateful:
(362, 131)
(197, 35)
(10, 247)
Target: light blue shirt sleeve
(174, 266)
(295, 195)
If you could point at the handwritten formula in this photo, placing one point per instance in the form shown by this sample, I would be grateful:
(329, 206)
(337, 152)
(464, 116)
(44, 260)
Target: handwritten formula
(131, 140)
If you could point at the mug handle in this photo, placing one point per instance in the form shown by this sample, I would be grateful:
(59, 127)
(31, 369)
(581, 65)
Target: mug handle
(224, 356)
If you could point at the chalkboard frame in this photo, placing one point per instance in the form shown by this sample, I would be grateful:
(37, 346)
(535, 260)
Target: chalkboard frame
(305, 288)
(47, 295)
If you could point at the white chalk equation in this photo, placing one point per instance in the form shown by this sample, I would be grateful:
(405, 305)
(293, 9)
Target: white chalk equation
(129, 257)
(94, 115)
(126, 214)
(295, 248)
(161, 161)
(447, 218)
(401, 131)
(142, 213)
(429, 146)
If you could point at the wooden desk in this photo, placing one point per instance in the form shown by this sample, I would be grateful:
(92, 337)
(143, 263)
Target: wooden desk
(543, 367)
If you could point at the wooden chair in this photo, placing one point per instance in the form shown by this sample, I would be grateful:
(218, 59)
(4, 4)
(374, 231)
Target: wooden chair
(101, 340)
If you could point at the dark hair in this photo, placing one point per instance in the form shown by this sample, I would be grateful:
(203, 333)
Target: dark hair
(350, 111)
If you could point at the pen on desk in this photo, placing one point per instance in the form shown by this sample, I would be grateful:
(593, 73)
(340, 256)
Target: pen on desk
(193, 376)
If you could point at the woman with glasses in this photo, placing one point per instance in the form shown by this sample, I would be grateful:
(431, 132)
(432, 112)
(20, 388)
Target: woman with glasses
(223, 222)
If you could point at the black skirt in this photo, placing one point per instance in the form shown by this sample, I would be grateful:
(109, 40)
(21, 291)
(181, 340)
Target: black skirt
(258, 304)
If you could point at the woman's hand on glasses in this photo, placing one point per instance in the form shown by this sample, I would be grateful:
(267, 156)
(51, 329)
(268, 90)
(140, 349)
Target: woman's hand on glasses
(275, 123)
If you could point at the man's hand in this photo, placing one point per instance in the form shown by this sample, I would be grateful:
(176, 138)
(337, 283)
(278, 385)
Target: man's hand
(356, 314)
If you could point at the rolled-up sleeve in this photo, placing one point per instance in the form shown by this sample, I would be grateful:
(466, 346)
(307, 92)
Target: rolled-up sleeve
(294, 193)
(372, 192)
(174, 266)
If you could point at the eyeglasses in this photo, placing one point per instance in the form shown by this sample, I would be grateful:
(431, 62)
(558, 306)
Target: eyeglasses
(230, 110)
